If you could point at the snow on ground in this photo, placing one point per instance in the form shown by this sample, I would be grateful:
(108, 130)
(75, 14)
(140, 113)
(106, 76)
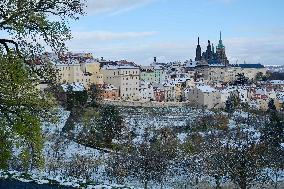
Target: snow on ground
(182, 137)
(57, 144)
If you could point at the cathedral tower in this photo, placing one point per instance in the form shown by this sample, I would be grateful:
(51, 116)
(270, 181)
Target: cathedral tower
(220, 52)
(198, 52)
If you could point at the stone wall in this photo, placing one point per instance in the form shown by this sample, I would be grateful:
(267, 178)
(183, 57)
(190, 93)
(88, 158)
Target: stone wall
(145, 104)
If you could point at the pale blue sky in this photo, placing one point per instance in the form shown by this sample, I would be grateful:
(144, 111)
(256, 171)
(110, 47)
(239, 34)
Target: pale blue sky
(137, 30)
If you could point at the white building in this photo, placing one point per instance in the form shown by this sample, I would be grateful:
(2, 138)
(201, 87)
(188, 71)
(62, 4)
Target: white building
(146, 91)
(205, 96)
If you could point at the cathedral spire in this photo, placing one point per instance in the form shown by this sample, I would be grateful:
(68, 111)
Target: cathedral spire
(220, 45)
(198, 52)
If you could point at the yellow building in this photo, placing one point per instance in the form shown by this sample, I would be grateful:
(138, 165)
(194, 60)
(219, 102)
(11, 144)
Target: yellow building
(86, 73)
(228, 74)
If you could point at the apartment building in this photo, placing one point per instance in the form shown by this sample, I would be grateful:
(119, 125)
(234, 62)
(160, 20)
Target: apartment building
(125, 77)
(152, 74)
(205, 96)
(86, 73)
(146, 91)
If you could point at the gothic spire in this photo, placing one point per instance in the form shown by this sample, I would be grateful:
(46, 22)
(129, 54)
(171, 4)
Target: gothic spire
(220, 45)
(198, 52)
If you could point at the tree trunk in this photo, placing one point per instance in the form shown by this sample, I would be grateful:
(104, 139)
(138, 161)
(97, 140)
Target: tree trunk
(146, 185)
(243, 185)
(217, 181)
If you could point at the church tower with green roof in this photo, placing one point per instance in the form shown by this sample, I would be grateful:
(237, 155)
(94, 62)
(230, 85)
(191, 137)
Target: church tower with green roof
(221, 53)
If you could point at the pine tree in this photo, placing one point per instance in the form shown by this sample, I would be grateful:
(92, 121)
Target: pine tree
(272, 137)
(110, 125)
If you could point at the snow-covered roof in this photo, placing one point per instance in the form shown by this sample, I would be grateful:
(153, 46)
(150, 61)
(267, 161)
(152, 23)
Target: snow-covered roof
(277, 82)
(190, 64)
(280, 96)
(145, 84)
(168, 84)
(91, 60)
(206, 88)
(109, 87)
(229, 89)
(115, 67)
(216, 65)
(75, 87)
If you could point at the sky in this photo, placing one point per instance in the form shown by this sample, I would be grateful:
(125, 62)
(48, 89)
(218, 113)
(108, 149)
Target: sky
(138, 30)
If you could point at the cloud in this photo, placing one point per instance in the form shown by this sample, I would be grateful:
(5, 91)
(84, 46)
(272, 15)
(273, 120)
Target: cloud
(265, 50)
(114, 7)
(141, 47)
(141, 51)
(99, 36)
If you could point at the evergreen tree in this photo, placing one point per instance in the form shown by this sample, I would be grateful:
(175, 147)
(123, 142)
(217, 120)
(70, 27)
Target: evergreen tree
(232, 102)
(241, 79)
(95, 94)
(272, 137)
(110, 125)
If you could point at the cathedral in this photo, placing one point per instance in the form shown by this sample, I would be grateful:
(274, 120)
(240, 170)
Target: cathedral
(210, 56)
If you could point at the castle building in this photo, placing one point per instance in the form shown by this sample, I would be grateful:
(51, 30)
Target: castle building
(213, 58)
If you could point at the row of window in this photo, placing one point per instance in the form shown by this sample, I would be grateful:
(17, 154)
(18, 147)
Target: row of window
(126, 89)
(129, 84)
(126, 72)
(130, 78)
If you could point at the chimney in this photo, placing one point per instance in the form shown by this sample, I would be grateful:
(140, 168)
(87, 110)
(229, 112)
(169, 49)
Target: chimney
(102, 58)
(155, 59)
